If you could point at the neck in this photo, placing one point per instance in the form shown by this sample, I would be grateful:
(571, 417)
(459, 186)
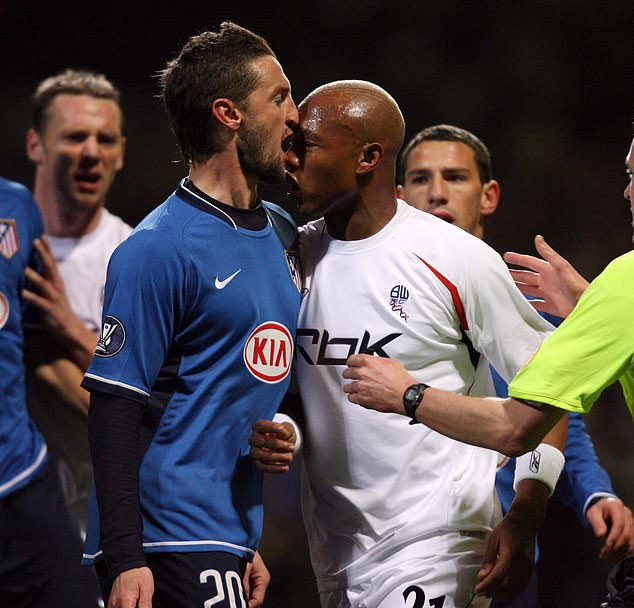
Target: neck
(222, 178)
(63, 221)
(363, 217)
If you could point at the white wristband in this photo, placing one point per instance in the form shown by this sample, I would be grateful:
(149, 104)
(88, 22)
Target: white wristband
(298, 433)
(544, 463)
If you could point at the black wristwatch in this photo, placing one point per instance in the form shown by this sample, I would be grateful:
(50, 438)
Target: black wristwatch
(412, 398)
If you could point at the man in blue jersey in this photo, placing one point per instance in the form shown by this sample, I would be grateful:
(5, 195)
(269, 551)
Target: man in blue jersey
(198, 332)
(446, 171)
(39, 547)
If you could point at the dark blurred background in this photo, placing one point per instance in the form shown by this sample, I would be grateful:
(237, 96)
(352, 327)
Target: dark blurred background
(549, 86)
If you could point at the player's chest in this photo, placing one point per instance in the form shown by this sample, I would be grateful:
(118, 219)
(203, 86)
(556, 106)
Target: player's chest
(386, 307)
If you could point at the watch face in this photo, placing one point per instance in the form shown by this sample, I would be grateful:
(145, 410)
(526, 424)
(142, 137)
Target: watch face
(411, 394)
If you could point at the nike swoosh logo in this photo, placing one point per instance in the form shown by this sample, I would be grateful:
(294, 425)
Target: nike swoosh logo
(223, 284)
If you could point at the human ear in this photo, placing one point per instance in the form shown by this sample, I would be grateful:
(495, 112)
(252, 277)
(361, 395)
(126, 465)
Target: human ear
(371, 155)
(489, 198)
(34, 148)
(227, 113)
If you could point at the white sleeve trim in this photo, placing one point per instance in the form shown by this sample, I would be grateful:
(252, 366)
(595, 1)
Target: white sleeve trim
(115, 383)
(596, 497)
(298, 433)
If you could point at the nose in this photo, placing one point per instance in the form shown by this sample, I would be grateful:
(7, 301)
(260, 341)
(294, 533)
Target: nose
(437, 190)
(292, 116)
(90, 148)
(628, 190)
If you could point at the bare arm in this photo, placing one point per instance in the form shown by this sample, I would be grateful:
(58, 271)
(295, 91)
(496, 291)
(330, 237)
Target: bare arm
(553, 280)
(506, 425)
(48, 364)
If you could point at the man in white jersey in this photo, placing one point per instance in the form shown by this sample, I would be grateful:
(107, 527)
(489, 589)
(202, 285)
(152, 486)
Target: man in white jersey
(590, 351)
(77, 145)
(446, 171)
(394, 512)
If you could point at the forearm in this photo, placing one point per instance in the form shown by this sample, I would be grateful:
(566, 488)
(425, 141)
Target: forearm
(529, 504)
(64, 378)
(79, 341)
(114, 435)
(506, 425)
(48, 363)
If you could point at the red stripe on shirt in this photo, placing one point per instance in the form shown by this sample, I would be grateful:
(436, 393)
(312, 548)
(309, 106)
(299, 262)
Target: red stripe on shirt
(453, 290)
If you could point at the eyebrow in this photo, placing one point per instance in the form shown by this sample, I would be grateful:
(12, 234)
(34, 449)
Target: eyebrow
(443, 170)
(283, 89)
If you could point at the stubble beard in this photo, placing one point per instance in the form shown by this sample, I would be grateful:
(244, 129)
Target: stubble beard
(250, 153)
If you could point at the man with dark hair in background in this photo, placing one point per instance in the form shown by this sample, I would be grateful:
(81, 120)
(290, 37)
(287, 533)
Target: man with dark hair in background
(200, 314)
(446, 171)
(589, 351)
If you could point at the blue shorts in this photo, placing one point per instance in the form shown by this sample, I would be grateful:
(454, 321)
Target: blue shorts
(182, 580)
(40, 550)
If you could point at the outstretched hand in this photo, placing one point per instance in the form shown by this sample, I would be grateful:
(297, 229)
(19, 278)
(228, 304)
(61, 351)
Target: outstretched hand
(553, 280)
(612, 520)
(272, 445)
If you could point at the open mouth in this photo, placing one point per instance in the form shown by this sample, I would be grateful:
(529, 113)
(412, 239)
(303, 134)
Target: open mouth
(287, 142)
(293, 191)
(87, 181)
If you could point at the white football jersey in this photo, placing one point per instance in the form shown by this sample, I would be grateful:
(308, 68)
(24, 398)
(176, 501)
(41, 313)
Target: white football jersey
(83, 262)
(429, 294)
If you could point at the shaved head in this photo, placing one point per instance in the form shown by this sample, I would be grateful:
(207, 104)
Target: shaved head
(342, 163)
(366, 110)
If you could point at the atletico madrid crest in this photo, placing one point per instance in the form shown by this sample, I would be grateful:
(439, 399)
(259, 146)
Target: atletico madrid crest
(294, 267)
(9, 243)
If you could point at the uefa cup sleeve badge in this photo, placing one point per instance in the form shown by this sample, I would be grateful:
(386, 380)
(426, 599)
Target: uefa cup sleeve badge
(112, 337)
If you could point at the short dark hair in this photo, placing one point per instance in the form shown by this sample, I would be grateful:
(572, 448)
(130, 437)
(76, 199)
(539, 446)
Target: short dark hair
(69, 82)
(210, 65)
(448, 133)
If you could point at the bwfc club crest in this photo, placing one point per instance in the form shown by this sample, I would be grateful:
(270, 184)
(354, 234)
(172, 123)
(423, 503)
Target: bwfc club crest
(294, 267)
(9, 242)
(4, 310)
(268, 352)
(399, 294)
(112, 337)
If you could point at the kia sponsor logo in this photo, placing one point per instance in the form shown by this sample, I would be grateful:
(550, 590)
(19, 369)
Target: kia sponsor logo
(268, 352)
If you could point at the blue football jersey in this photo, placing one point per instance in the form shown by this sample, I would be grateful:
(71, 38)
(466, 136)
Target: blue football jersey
(22, 448)
(199, 325)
